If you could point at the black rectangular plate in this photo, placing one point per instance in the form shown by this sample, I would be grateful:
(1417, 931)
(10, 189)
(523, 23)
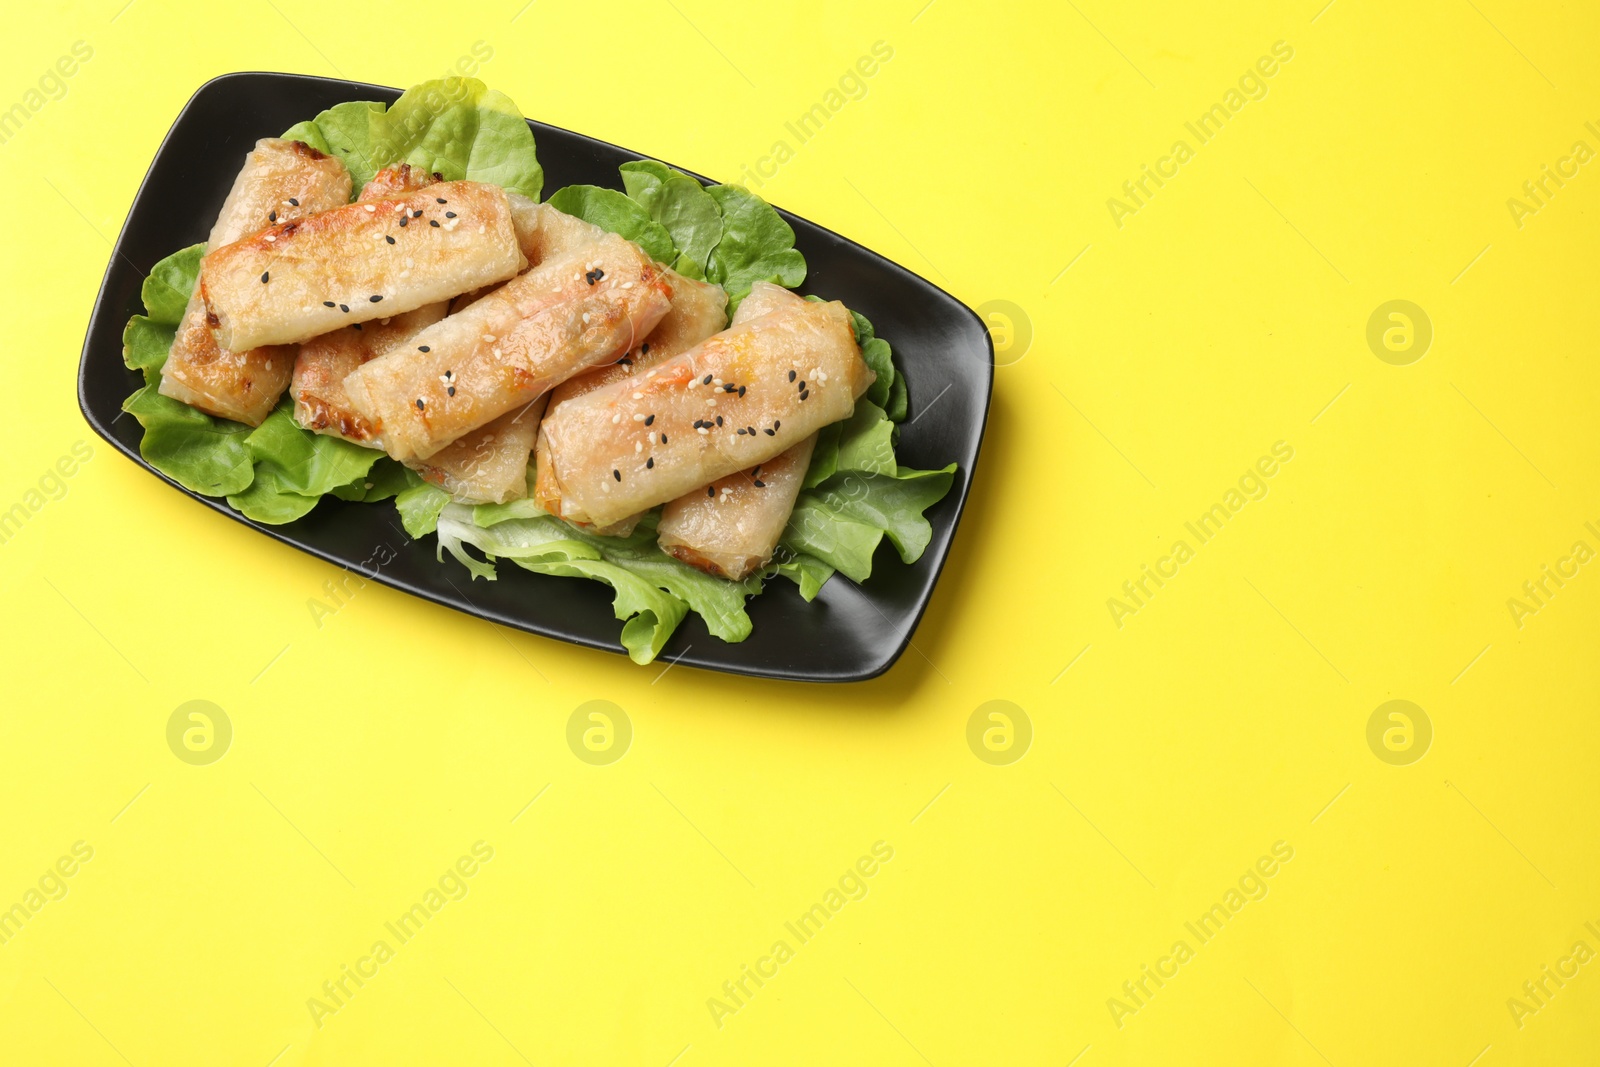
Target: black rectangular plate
(849, 633)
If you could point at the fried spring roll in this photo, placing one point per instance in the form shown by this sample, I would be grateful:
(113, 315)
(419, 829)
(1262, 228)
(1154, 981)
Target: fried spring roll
(734, 528)
(731, 527)
(562, 317)
(699, 309)
(281, 181)
(489, 465)
(320, 402)
(360, 262)
(323, 362)
(773, 381)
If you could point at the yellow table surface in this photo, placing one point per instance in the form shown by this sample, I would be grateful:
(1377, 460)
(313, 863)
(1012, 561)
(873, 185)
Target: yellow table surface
(1196, 745)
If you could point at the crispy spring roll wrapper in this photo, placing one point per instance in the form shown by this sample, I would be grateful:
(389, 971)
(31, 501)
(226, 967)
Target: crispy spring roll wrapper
(732, 526)
(323, 362)
(489, 465)
(545, 233)
(699, 309)
(639, 442)
(281, 181)
(506, 348)
(364, 261)
(320, 402)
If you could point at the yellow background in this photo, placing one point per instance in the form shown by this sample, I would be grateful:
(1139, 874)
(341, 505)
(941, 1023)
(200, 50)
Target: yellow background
(1229, 713)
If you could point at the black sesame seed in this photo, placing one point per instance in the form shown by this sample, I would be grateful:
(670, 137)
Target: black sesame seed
(771, 433)
(423, 348)
(264, 275)
(759, 484)
(440, 200)
(355, 325)
(388, 238)
(329, 304)
(598, 274)
(802, 385)
(663, 438)
(403, 221)
(792, 376)
(433, 222)
(417, 214)
(625, 361)
(451, 391)
(272, 216)
(777, 424)
(648, 419)
(449, 214)
(706, 380)
(345, 308)
(375, 298)
(616, 474)
(805, 394)
(650, 463)
(711, 490)
(719, 420)
(644, 349)
(741, 391)
(741, 431)
(419, 403)
(751, 430)
(293, 202)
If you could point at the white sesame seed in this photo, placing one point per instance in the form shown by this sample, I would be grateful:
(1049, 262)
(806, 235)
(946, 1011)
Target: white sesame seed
(370, 208)
(271, 239)
(498, 354)
(627, 285)
(637, 417)
(489, 337)
(703, 430)
(616, 418)
(269, 364)
(586, 318)
(638, 396)
(711, 403)
(637, 447)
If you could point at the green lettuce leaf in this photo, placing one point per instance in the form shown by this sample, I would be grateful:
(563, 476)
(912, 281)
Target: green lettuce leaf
(842, 521)
(681, 205)
(419, 504)
(200, 453)
(614, 211)
(293, 468)
(756, 245)
(457, 127)
(386, 479)
(166, 291)
(653, 590)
